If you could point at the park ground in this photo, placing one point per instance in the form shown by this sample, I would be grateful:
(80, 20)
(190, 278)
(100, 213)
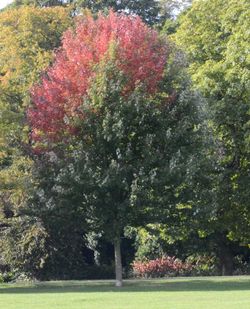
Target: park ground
(172, 293)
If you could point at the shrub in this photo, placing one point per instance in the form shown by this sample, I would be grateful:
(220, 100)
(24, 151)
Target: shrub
(161, 267)
(241, 265)
(94, 272)
(203, 265)
(6, 277)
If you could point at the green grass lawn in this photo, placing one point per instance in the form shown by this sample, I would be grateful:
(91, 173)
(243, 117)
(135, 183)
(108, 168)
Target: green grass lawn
(190, 293)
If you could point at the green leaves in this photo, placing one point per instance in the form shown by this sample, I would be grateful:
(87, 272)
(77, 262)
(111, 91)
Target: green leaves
(215, 35)
(28, 36)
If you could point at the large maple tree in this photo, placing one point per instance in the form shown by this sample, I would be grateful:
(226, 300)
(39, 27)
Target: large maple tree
(117, 110)
(137, 51)
(101, 61)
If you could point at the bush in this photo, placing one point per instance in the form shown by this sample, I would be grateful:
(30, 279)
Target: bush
(241, 266)
(203, 265)
(92, 272)
(6, 277)
(161, 267)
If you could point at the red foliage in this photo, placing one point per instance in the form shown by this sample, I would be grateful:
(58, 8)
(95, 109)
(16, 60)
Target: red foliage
(161, 267)
(140, 55)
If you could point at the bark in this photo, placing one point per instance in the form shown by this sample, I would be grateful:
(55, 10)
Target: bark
(226, 261)
(118, 262)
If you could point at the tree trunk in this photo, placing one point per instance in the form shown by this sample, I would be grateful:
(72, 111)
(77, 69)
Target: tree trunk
(226, 261)
(118, 262)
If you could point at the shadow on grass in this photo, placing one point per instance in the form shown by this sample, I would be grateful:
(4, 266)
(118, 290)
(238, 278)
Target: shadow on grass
(179, 285)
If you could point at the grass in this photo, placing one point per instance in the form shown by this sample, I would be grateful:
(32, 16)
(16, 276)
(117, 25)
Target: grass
(175, 293)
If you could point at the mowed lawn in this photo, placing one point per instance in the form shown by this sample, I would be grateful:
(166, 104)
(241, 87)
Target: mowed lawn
(173, 293)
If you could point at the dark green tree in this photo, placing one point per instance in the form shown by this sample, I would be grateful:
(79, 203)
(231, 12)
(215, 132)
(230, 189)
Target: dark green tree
(135, 169)
(40, 3)
(148, 10)
(128, 141)
(151, 11)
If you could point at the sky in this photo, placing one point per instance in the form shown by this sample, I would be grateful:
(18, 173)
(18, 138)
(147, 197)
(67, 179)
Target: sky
(3, 3)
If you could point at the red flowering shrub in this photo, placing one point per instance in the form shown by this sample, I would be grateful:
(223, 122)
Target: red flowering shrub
(161, 267)
(139, 54)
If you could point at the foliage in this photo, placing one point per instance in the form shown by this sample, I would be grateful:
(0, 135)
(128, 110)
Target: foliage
(39, 3)
(203, 265)
(124, 124)
(67, 255)
(148, 10)
(217, 45)
(242, 265)
(6, 276)
(176, 8)
(88, 95)
(161, 267)
(23, 246)
(138, 54)
(28, 36)
(151, 12)
(100, 272)
(154, 240)
(119, 138)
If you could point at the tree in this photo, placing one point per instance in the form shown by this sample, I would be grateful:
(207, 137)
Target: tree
(39, 3)
(173, 9)
(26, 49)
(59, 99)
(217, 46)
(148, 10)
(141, 56)
(28, 36)
(110, 115)
(151, 11)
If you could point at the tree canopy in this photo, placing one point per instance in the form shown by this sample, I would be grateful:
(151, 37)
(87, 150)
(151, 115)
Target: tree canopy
(217, 46)
(139, 55)
(28, 36)
(107, 93)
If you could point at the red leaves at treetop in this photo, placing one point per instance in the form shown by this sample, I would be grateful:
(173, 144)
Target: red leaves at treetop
(139, 54)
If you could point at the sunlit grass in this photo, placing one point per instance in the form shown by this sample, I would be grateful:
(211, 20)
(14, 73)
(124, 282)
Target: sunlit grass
(184, 293)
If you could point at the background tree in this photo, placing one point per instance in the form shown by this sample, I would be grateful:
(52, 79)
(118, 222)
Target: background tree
(39, 3)
(172, 9)
(148, 10)
(28, 36)
(217, 46)
(151, 11)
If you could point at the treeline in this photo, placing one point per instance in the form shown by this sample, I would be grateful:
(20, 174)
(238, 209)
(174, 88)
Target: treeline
(146, 150)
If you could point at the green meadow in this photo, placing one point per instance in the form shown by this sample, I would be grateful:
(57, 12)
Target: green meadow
(173, 293)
